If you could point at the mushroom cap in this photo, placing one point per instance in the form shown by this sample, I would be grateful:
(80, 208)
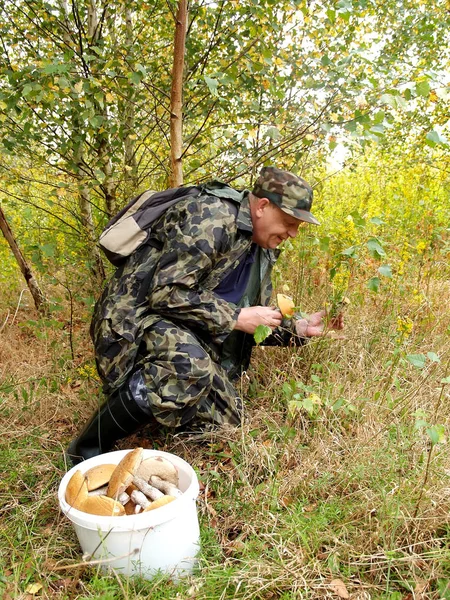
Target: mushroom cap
(102, 506)
(286, 305)
(158, 466)
(99, 476)
(76, 490)
(132, 460)
(160, 502)
(124, 472)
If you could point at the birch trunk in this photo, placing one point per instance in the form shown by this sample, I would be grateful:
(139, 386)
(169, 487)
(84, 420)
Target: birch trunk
(176, 96)
(104, 146)
(128, 110)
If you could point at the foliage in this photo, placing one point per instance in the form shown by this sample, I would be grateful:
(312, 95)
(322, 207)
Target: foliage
(84, 92)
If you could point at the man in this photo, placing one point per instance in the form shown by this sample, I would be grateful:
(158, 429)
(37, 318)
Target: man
(174, 326)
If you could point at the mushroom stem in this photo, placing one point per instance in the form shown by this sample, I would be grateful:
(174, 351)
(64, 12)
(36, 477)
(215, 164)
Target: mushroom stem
(99, 491)
(165, 486)
(140, 499)
(123, 498)
(151, 492)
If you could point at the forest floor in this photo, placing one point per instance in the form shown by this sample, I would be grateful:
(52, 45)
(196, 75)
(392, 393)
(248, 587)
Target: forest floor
(337, 484)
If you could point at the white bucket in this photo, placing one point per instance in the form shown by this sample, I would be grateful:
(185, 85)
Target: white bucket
(163, 540)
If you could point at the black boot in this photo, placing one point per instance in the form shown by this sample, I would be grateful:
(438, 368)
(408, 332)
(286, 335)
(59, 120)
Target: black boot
(121, 415)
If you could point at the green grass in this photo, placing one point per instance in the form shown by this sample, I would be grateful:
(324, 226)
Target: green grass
(357, 489)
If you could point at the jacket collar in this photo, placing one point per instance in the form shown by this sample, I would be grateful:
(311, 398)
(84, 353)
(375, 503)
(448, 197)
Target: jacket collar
(244, 218)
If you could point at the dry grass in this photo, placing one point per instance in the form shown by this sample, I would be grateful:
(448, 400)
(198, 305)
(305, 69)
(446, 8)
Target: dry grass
(290, 501)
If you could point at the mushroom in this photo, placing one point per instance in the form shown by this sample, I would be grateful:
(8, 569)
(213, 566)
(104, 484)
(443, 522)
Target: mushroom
(160, 502)
(158, 466)
(123, 474)
(165, 486)
(102, 506)
(139, 498)
(124, 498)
(99, 491)
(76, 490)
(286, 305)
(151, 492)
(99, 476)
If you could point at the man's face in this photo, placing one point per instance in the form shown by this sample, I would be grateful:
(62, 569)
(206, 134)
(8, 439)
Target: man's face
(271, 225)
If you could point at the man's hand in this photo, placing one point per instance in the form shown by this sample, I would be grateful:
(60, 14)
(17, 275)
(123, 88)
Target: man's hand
(249, 318)
(315, 325)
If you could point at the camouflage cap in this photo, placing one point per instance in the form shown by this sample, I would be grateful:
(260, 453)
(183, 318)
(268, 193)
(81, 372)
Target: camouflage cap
(290, 193)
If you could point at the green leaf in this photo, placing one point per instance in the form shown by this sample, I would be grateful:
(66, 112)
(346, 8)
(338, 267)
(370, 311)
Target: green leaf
(331, 14)
(358, 220)
(136, 77)
(433, 138)
(373, 284)
(436, 433)
(351, 252)
(377, 221)
(350, 126)
(261, 333)
(389, 99)
(324, 243)
(375, 248)
(433, 357)
(385, 270)
(212, 85)
(445, 380)
(423, 89)
(48, 250)
(273, 133)
(417, 360)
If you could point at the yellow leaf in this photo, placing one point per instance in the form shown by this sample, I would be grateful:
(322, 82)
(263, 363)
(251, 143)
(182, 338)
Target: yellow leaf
(338, 587)
(433, 96)
(34, 588)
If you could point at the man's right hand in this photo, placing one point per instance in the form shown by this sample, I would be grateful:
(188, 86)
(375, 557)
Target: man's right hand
(249, 318)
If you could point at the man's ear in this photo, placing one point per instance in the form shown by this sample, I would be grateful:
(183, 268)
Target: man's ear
(261, 205)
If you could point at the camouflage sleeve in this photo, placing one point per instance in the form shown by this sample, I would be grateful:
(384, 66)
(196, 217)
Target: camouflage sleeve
(197, 234)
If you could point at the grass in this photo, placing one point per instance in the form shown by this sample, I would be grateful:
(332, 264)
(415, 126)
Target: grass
(355, 489)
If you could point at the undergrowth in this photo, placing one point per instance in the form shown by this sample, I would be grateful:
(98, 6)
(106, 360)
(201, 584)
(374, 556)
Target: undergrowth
(340, 470)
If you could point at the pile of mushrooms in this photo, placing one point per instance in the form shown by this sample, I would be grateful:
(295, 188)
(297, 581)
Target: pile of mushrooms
(128, 488)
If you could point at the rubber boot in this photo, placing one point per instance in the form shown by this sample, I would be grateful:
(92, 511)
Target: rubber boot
(120, 416)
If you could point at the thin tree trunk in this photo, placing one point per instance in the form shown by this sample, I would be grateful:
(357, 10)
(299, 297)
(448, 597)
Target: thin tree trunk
(87, 222)
(176, 96)
(84, 203)
(128, 112)
(38, 297)
(104, 146)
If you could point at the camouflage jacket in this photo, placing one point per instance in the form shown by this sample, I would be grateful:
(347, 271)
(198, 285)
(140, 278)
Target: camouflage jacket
(192, 247)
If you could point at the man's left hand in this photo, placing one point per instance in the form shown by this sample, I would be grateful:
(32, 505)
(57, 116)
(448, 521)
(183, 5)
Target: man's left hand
(316, 325)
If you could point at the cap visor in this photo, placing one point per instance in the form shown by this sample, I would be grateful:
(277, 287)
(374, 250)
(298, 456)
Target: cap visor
(301, 215)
